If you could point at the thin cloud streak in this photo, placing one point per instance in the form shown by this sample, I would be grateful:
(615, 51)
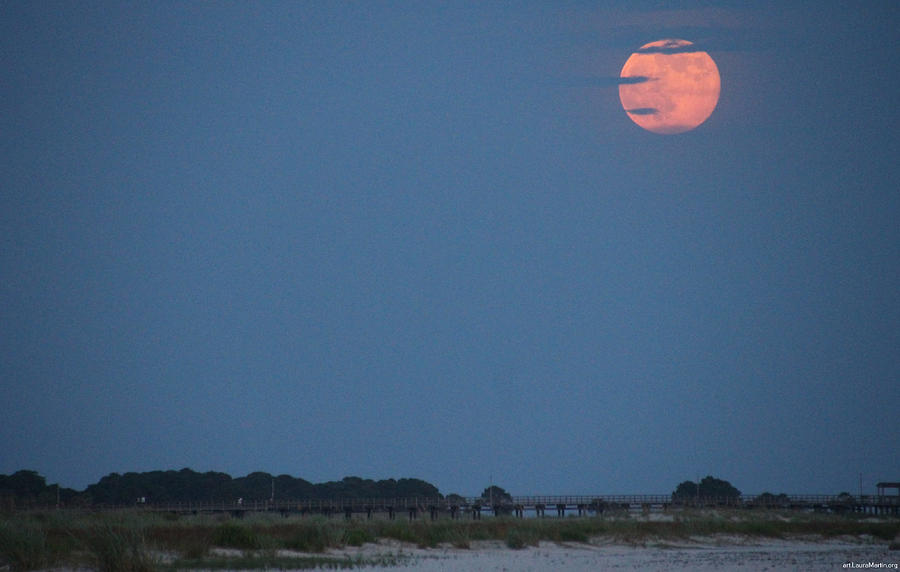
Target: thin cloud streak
(612, 81)
(632, 79)
(689, 49)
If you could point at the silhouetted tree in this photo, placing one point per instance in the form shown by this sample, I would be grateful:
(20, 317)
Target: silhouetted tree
(288, 487)
(417, 488)
(769, 499)
(28, 487)
(709, 487)
(496, 494)
(256, 486)
(23, 483)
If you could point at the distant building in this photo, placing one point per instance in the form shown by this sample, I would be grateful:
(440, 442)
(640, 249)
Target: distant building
(882, 487)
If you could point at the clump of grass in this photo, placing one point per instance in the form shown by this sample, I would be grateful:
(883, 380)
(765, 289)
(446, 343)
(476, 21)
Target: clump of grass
(765, 529)
(518, 537)
(425, 534)
(315, 536)
(403, 532)
(23, 548)
(477, 531)
(492, 529)
(231, 535)
(576, 531)
(434, 534)
(357, 536)
(188, 541)
(449, 533)
(459, 538)
(120, 549)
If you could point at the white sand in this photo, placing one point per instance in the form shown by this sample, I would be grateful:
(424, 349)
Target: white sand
(728, 554)
(722, 553)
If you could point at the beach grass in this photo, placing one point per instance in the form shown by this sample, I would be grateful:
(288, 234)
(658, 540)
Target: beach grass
(23, 547)
(117, 548)
(142, 541)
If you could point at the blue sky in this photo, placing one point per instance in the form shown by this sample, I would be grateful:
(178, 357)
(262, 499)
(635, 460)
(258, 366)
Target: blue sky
(424, 240)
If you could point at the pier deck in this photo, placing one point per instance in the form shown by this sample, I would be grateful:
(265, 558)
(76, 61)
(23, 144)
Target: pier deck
(560, 506)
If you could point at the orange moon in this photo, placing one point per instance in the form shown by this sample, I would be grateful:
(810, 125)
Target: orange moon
(669, 87)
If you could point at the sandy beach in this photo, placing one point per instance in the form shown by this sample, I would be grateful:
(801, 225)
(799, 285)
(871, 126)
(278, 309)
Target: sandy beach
(702, 554)
(721, 553)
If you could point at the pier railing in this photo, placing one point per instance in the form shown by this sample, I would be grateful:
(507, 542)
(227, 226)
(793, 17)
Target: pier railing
(537, 503)
(587, 502)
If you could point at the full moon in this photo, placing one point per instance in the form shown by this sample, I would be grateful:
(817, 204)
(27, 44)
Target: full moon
(668, 86)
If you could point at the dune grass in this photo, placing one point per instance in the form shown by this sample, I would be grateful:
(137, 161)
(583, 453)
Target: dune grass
(116, 548)
(23, 547)
(139, 541)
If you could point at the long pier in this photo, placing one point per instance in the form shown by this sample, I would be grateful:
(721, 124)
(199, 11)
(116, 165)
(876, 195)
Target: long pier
(539, 506)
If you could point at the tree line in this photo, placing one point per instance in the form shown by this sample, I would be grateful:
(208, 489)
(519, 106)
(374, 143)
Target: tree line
(26, 487)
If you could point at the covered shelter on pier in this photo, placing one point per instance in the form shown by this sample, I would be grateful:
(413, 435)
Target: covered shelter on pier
(882, 487)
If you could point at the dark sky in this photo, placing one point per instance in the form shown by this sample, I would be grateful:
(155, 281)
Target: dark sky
(424, 240)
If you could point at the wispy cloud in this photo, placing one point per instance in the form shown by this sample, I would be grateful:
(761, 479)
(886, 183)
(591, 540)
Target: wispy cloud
(643, 111)
(634, 79)
(612, 81)
(671, 47)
